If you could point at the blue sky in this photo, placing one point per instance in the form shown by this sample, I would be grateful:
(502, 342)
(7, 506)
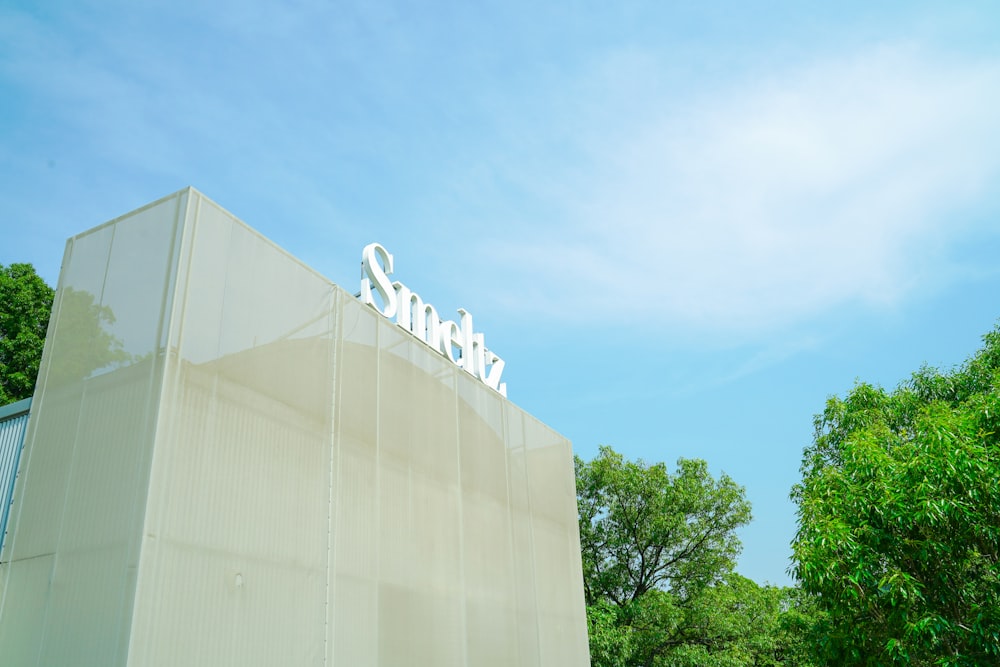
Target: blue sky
(683, 225)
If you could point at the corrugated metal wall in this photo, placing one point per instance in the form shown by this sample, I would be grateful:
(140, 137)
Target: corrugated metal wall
(13, 424)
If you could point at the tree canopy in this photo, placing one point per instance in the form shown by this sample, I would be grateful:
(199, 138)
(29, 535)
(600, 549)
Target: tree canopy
(658, 555)
(899, 518)
(642, 528)
(25, 304)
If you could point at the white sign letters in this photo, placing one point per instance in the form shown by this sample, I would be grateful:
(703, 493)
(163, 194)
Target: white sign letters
(455, 340)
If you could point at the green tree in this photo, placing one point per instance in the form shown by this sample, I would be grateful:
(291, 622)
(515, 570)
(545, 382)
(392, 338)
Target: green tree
(642, 528)
(737, 622)
(652, 542)
(899, 519)
(25, 304)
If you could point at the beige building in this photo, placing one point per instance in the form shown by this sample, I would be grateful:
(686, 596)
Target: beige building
(232, 461)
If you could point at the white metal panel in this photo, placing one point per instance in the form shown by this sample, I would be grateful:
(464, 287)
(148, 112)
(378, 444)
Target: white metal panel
(279, 475)
(78, 509)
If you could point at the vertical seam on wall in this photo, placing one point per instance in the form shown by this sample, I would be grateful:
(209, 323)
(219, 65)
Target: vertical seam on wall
(378, 481)
(531, 538)
(455, 382)
(511, 552)
(334, 327)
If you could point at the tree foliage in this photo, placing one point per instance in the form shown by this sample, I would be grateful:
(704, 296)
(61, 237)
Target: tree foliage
(25, 304)
(642, 528)
(658, 555)
(737, 623)
(899, 519)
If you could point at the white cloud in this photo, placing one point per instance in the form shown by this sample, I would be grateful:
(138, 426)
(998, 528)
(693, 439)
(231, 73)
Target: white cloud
(778, 199)
(615, 192)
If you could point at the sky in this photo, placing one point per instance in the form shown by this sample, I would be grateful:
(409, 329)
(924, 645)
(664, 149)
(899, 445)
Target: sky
(683, 225)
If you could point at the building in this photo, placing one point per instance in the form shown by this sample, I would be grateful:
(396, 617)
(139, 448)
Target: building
(232, 461)
(13, 423)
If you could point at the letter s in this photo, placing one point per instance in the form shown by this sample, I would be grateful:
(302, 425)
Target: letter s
(372, 270)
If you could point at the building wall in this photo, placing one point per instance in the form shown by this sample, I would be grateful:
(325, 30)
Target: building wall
(276, 475)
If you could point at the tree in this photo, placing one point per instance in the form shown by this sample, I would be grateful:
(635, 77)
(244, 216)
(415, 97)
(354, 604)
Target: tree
(25, 304)
(651, 542)
(642, 528)
(738, 622)
(899, 519)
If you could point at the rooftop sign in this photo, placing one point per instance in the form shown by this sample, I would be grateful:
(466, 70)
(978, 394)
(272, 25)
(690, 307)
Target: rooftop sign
(455, 340)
